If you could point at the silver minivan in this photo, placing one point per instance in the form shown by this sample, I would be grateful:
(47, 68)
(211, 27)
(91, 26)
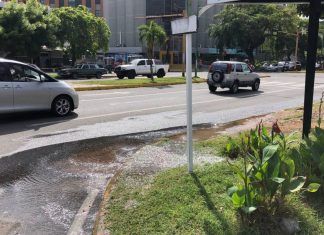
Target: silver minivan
(25, 88)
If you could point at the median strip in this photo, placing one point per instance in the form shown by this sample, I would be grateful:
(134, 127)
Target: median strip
(134, 83)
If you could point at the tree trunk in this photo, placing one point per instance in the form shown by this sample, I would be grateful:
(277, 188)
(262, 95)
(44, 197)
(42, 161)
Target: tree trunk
(151, 62)
(249, 53)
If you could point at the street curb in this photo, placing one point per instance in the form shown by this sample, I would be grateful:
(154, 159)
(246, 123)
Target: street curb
(99, 224)
(110, 87)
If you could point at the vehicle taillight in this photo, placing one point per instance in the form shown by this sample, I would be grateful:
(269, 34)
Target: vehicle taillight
(229, 68)
(210, 68)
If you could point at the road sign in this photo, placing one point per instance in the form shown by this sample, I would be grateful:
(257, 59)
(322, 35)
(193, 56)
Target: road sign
(187, 26)
(184, 25)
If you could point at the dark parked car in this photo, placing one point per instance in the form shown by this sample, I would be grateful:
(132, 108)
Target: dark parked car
(83, 70)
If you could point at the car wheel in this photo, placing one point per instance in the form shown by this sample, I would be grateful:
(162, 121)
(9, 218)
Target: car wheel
(98, 75)
(235, 87)
(212, 89)
(131, 74)
(120, 76)
(160, 73)
(217, 77)
(62, 106)
(256, 85)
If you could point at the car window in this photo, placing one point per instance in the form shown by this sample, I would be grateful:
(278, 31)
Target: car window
(4, 73)
(22, 73)
(141, 62)
(245, 68)
(239, 68)
(85, 66)
(92, 66)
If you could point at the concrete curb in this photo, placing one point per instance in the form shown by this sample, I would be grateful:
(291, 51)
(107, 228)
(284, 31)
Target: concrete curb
(99, 224)
(109, 87)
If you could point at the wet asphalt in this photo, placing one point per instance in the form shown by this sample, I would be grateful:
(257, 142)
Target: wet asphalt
(55, 165)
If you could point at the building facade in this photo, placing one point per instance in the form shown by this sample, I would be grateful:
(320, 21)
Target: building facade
(95, 6)
(124, 17)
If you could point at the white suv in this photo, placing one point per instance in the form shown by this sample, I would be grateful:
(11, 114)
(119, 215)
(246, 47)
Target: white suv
(230, 74)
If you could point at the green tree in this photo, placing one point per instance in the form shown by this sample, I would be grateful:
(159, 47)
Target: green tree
(152, 34)
(80, 31)
(25, 28)
(248, 27)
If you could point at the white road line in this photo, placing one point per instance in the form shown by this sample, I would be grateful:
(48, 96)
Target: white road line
(164, 107)
(113, 93)
(133, 96)
(80, 217)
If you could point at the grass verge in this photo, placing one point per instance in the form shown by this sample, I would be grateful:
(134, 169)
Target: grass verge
(176, 202)
(54, 75)
(139, 82)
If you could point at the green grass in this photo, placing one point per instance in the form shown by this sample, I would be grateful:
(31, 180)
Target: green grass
(215, 145)
(53, 75)
(141, 81)
(180, 203)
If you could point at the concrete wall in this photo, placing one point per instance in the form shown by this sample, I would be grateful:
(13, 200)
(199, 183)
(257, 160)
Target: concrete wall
(123, 17)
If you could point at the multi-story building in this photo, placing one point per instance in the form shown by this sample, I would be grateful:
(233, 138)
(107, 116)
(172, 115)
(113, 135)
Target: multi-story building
(95, 6)
(124, 17)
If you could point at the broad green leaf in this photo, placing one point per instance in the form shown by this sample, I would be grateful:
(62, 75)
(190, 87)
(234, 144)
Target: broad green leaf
(248, 209)
(290, 167)
(232, 190)
(313, 187)
(297, 183)
(269, 152)
(278, 180)
(238, 198)
(274, 167)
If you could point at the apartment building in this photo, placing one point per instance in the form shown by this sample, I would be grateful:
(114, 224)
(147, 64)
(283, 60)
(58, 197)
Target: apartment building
(95, 6)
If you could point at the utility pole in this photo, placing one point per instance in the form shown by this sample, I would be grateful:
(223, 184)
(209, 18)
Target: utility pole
(296, 49)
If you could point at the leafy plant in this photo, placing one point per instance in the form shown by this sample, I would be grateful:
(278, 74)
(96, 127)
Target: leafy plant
(311, 151)
(232, 149)
(269, 171)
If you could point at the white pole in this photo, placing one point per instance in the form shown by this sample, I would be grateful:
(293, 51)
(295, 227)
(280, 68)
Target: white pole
(189, 100)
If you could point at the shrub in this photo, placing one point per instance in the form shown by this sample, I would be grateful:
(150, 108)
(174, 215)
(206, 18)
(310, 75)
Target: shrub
(268, 173)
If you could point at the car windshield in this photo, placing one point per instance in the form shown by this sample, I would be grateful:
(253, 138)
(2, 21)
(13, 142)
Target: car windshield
(78, 66)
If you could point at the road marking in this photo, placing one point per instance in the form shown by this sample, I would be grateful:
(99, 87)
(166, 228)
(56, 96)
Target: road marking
(134, 96)
(80, 217)
(113, 93)
(167, 106)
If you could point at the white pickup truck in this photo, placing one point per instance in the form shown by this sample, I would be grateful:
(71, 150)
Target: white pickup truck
(141, 67)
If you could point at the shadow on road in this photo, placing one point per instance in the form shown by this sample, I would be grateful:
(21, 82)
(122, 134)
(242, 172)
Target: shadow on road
(243, 93)
(17, 122)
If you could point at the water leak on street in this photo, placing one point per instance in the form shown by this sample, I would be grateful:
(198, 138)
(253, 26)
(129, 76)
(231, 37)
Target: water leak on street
(42, 190)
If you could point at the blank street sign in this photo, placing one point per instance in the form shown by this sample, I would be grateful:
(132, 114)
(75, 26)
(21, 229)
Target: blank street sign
(184, 25)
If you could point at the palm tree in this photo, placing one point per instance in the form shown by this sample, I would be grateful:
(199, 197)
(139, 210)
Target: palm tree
(151, 34)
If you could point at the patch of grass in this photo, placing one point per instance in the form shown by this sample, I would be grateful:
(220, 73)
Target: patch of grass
(53, 75)
(216, 145)
(142, 81)
(180, 203)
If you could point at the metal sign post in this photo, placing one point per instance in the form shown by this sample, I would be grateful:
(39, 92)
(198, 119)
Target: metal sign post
(189, 100)
(187, 26)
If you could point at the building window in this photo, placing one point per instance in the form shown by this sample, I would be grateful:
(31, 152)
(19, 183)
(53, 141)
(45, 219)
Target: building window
(98, 8)
(42, 1)
(88, 4)
(52, 4)
(61, 3)
(72, 3)
(78, 2)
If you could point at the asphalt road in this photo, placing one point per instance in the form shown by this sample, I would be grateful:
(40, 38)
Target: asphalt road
(124, 111)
